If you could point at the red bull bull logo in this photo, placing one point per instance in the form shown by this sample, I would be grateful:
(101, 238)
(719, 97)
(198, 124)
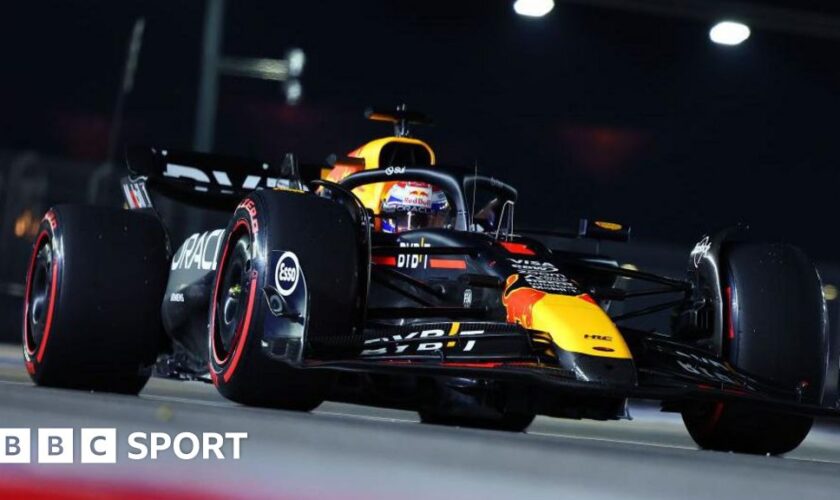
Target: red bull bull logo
(418, 193)
(520, 302)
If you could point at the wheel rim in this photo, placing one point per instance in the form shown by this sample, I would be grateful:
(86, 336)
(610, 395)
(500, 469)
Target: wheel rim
(232, 296)
(39, 293)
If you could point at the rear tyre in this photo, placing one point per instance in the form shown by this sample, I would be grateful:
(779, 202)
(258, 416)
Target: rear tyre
(92, 303)
(510, 422)
(287, 278)
(775, 331)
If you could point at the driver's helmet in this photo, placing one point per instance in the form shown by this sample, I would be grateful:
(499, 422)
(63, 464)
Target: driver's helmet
(413, 205)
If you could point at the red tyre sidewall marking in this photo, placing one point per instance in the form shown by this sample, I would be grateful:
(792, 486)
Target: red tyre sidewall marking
(241, 341)
(729, 324)
(43, 347)
(714, 418)
(241, 335)
(729, 315)
(30, 351)
(219, 271)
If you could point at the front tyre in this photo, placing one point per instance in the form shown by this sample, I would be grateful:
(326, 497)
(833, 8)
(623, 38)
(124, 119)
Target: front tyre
(738, 427)
(774, 330)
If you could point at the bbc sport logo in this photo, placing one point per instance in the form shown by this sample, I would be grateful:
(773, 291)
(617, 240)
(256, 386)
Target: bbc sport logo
(99, 445)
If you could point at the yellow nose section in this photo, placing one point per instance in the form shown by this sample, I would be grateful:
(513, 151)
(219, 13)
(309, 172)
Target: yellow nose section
(575, 323)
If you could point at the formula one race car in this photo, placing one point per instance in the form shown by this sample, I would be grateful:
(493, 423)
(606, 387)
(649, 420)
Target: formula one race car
(388, 279)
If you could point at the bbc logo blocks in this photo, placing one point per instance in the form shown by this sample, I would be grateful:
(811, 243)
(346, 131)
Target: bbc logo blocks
(15, 446)
(56, 446)
(99, 445)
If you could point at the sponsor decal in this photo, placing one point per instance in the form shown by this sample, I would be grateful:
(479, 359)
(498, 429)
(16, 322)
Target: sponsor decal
(533, 266)
(199, 251)
(413, 261)
(251, 208)
(136, 195)
(176, 297)
(394, 170)
(220, 177)
(605, 338)
(400, 345)
(287, 273)
(468, 297)
(99, 445)
(544, 276)
(698, 253)
(408, 197)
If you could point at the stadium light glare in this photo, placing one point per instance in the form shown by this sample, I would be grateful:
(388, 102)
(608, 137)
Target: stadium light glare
(533, 8)
(295, 59)
(729, 33)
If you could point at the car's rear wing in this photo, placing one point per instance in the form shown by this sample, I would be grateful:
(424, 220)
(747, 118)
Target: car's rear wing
(206, 179)
(195, 192)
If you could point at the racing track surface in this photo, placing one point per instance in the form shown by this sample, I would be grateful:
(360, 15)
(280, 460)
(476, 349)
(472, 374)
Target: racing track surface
(346, 451)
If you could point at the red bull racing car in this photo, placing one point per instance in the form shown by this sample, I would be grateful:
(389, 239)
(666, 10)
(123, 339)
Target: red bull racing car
(388, 279)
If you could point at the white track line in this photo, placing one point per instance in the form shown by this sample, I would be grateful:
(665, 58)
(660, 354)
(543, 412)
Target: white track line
(174, 399)
(367, 417)
(16, 382)
(608, 440)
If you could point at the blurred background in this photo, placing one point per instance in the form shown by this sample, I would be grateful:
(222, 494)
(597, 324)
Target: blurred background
(641, 111)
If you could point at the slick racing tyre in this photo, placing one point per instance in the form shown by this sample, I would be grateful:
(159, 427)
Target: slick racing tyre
(92, 303)
(742, 428)
(511, 422)
(775, 331)
(288, 276)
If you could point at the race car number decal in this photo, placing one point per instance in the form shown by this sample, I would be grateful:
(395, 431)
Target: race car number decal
(287, 273)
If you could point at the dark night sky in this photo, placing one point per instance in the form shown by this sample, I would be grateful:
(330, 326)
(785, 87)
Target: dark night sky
(588, 111)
